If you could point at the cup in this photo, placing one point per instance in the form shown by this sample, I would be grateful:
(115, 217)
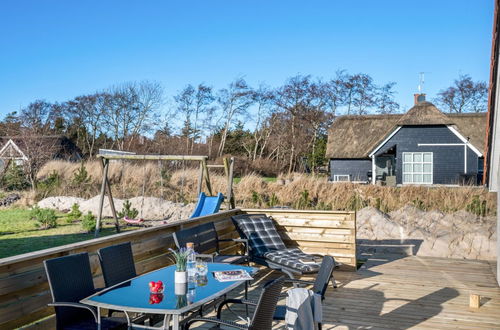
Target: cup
(201, 268)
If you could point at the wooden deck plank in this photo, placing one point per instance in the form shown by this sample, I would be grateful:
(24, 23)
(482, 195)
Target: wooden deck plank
(408, 292)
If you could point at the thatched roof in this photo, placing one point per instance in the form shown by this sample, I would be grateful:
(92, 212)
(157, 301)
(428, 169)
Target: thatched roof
(424, 113)
(357, 136)
(472, 126)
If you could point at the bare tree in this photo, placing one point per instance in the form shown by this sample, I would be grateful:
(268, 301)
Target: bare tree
(385, 99)
(88, 111)
(336, 92)
(234, 101)
(185, 101)
(464, 96)
(202, 105)
(293, 98)
(37, 116)
(132, 110)
(263, 99)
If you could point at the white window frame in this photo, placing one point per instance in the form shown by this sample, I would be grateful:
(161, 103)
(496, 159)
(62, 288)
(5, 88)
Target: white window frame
(336, 177)
(422, 163)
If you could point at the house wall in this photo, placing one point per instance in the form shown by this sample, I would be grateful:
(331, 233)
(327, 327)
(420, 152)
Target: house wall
(448, 161)
(356, 168)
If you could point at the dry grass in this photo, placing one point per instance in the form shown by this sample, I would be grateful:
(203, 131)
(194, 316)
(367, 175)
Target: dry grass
(300, 191)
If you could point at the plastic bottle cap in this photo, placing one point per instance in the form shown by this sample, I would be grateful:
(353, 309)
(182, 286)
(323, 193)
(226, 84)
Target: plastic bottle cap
(190, 245)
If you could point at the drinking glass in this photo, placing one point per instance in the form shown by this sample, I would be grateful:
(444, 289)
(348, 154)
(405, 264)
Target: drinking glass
(201, 268)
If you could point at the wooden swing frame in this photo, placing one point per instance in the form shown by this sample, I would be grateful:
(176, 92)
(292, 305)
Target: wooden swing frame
(204, 176)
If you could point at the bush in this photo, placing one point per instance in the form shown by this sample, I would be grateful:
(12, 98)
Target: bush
(81, 176)
(75, 213)
(273, 200)
(128, 211)
(46, 217)
(14, 178)
(478, 206)
(49, 184)
(89, 222)
(304, 201)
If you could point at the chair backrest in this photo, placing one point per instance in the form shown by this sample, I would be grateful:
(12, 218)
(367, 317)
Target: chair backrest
(70, 280)
(266, 305)
(260, 231)
(117, 263)
(203, 236)
(207, 205)
(324, 275)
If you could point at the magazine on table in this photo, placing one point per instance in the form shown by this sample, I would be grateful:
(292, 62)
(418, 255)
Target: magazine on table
(232, 275)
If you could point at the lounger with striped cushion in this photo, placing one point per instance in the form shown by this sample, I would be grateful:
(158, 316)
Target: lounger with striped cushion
(267, 247)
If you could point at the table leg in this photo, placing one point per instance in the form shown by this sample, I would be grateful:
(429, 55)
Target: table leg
(98, 318)
(166, 322)
(129, 322)
(175, 322)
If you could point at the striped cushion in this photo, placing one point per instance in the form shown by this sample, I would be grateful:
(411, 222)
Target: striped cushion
(290, 258)
(261, 233)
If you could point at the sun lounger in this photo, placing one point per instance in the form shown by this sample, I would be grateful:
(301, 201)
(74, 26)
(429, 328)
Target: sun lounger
(267, 248)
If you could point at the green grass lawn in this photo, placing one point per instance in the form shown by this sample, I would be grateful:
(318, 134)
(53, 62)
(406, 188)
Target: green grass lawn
(237, 180)
(19, 234)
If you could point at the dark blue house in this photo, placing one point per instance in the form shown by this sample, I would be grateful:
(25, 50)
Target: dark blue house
(423, 146)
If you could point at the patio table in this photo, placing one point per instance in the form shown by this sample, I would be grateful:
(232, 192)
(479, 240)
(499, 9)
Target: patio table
(133, 296)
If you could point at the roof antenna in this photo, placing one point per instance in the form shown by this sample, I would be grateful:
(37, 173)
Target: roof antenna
(421, 81)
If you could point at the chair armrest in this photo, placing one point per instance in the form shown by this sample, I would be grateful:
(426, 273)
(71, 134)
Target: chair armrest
(244, 241)
(234, 301)
(76, 305)
(297, 281)
(216, 321)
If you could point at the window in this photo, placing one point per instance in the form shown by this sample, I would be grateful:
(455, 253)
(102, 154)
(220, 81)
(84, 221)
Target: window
(417, 167)
(341, 177)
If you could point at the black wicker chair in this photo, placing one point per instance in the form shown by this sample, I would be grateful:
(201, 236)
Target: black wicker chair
(70, 280)
(117, 263)
(205, 238)
(262, 318)
(320, 285)
(267, 248)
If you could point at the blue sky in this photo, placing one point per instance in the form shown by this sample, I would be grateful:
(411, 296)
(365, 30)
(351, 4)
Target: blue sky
(55, 50)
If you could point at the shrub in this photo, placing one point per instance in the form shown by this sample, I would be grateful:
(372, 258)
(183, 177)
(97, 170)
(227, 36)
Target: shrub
(81, 176)
(478, 207)
(14, 178)
(49, 184)
(356, 202)
(304, 201)
(89, 222)
(75, 213)
(46, 217)
(273, 200)
(256, 198)
(128, 211)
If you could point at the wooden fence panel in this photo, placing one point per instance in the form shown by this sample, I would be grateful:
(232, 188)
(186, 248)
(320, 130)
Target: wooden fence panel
(322, 232)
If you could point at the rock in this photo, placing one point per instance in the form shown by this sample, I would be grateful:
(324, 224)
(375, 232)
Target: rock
(9, 199)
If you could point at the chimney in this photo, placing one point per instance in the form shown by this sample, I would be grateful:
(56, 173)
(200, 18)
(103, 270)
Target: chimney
(419, 98)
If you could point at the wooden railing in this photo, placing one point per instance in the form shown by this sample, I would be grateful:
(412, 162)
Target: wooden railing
(24, 291)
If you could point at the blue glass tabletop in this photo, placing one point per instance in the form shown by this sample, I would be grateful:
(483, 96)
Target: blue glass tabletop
(134, 295)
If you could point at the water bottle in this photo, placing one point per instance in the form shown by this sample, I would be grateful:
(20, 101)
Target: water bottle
(191, 262)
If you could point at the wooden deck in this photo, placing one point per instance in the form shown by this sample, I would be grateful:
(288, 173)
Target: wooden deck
(410, 292)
